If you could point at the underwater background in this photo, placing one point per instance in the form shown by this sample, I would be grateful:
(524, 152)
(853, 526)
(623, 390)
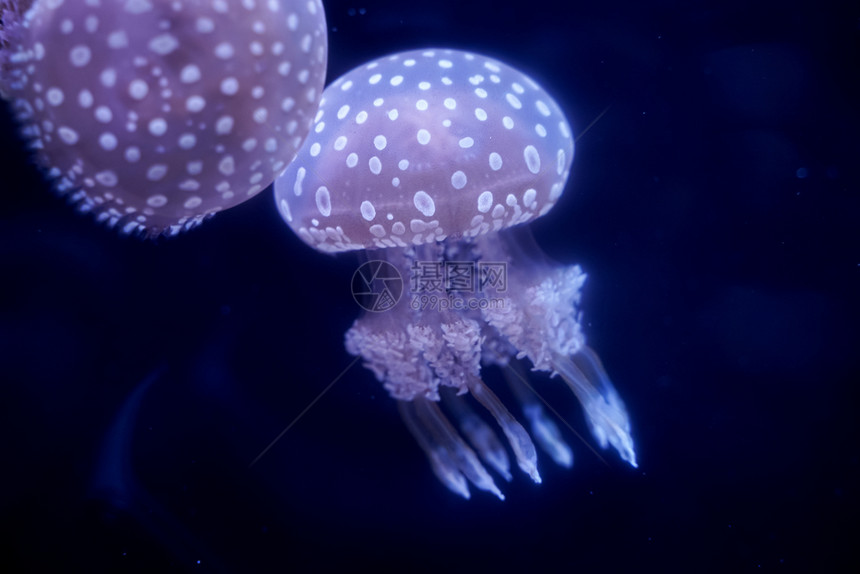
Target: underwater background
(715, 208)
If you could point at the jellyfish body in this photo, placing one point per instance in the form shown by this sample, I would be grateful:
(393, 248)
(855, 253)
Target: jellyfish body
(154, 115)
(432, 160)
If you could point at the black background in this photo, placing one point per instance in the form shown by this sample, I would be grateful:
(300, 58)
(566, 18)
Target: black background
(715, 207)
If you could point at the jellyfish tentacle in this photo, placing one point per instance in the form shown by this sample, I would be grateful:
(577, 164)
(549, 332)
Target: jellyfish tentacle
(606, 413)
(479, 434)
(544, 326)
(412, 363)
(440, 432)
(547, 436)
(518, 438)
(444, 467)
(545, 432)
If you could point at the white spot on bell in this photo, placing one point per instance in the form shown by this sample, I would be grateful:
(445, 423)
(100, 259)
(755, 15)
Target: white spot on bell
(85, 98)
(529, 198)
(495, 161)
(224, 50)
(224, 125)
(285, 210)
(227, 165)
(532, 158)
(375, 165)
(542, 108)
(155, 173)
(107, 178)
(157, 200)
(108, 141)
(117, 39)
(138, 89)
(157, 126)
(458, 180)
(80, 56)
(424, 203)
(54, 96)
(195, 104)
(323, 200)
(368, 212)
(229, 86)
(163, 44)
(187, 141)
(189, 74)
(485, 201)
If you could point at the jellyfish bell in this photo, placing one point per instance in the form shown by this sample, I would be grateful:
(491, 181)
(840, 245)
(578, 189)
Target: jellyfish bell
(433, 160)
(154, 115)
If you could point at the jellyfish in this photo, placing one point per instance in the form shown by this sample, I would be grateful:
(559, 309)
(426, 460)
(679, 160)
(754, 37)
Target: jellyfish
(154, 115)
(432, 162)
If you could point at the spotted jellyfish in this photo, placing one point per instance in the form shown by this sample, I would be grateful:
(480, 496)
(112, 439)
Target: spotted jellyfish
(154, 115)
(432, 161)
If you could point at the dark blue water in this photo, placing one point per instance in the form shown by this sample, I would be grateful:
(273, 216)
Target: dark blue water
(715, 207)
